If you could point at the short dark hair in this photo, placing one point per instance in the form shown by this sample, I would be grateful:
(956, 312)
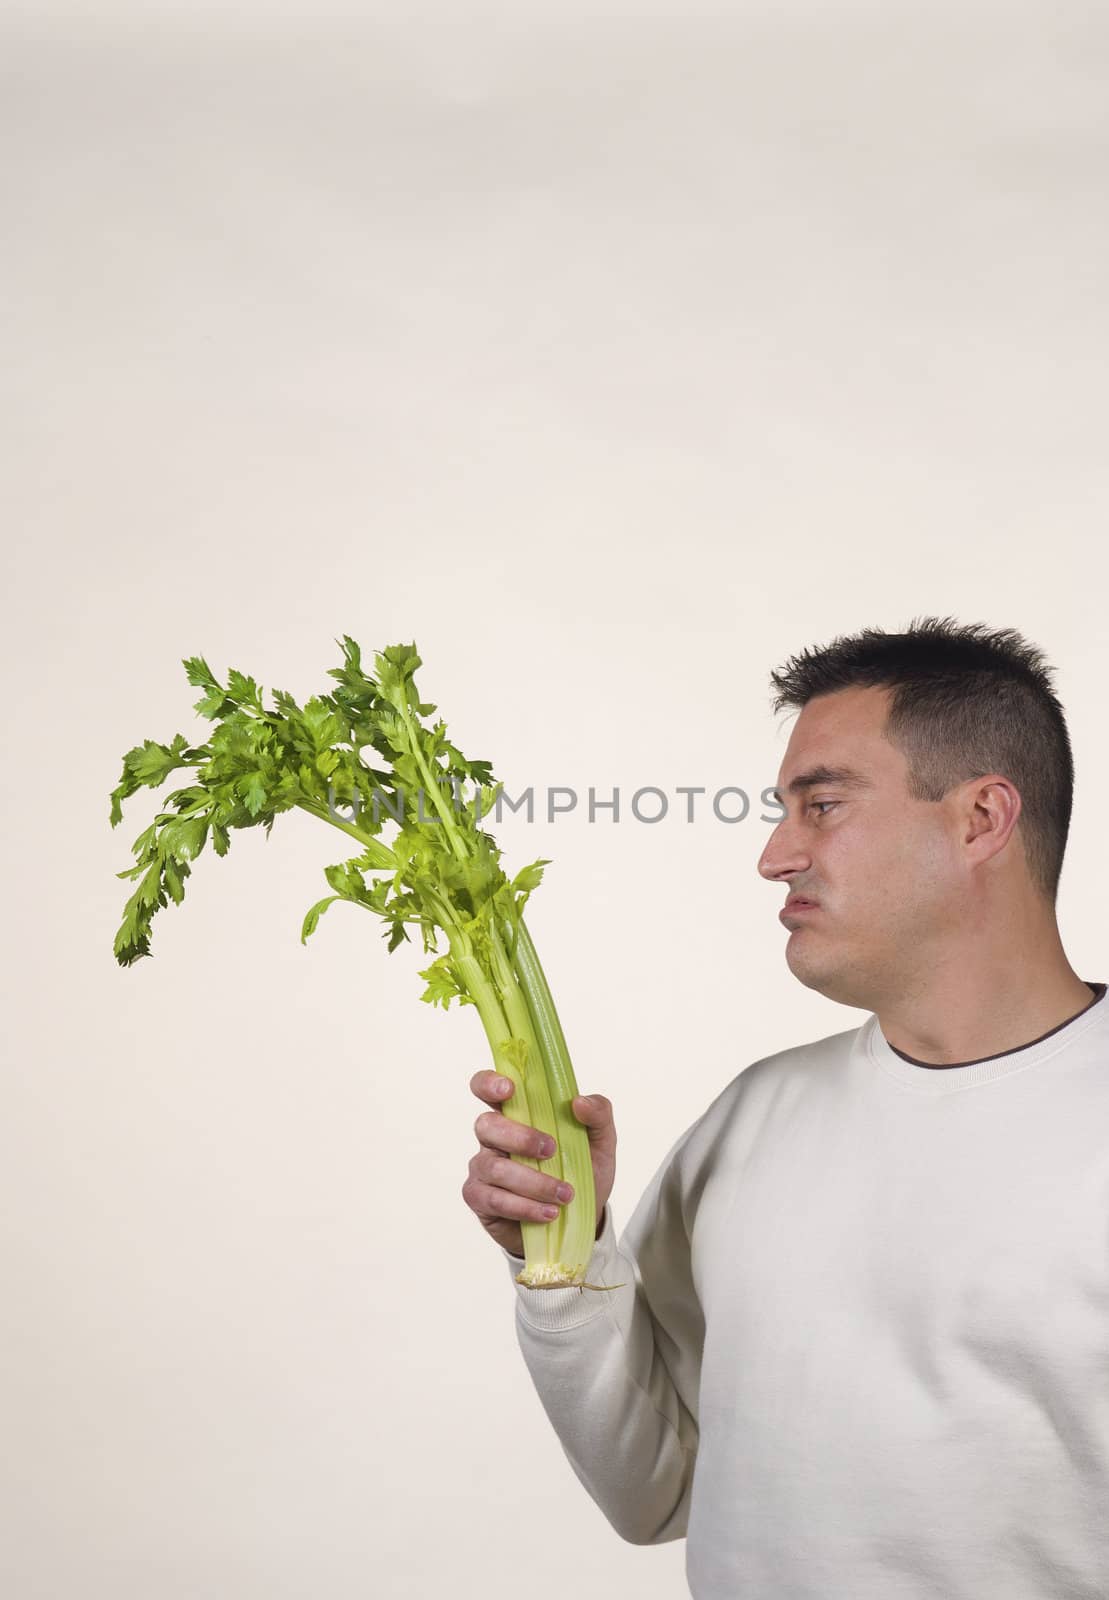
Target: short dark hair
(967, 700)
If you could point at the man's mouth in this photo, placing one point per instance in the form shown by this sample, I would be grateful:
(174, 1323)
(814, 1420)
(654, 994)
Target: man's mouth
(797, 906)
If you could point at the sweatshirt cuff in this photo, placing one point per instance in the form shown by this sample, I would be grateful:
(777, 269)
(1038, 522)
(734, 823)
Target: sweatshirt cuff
(569, 1308)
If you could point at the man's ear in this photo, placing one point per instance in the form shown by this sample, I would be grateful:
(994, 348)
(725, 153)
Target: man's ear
(990, 807)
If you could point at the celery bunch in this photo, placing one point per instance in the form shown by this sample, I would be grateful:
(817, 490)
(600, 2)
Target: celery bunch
(439, 872)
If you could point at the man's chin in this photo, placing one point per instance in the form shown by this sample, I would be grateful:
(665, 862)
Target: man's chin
(829, 977)
(804, 961)
(800, 961)
(812, 980)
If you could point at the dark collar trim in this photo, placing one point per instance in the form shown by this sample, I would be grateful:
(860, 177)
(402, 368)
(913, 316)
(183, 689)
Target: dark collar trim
(941, 1066)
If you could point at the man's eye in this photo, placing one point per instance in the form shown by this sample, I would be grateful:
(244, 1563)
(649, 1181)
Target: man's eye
(824, 803)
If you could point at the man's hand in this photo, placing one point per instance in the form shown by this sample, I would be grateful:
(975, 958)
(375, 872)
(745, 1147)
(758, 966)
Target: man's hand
(501, 1192)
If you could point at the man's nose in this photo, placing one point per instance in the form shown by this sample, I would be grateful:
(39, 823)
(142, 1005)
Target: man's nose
(784, 853)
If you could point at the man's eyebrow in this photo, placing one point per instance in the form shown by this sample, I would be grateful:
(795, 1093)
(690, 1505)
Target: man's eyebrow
(845, 777)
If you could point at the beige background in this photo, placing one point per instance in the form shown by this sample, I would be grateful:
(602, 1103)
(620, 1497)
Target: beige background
(612, 360)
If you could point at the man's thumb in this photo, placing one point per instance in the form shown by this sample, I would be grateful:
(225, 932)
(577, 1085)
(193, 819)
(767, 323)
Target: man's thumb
(592, 1109)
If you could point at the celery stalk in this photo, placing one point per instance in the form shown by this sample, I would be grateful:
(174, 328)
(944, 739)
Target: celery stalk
(439, 873)
(576, 1227)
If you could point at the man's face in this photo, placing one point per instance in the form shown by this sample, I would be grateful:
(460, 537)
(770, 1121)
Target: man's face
(884, 869)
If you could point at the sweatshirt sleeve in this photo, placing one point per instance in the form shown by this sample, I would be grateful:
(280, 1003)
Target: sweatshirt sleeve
(617, 1369)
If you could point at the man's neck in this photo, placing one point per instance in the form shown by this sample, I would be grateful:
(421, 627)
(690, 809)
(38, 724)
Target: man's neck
(941, 1028)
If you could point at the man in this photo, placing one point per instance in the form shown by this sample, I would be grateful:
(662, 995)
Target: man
(861, 1351)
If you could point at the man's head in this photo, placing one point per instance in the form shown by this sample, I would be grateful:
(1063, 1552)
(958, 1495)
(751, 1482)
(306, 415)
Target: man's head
(950, 819)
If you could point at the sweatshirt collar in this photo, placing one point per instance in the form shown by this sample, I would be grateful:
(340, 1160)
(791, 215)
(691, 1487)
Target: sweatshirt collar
(941, 1078)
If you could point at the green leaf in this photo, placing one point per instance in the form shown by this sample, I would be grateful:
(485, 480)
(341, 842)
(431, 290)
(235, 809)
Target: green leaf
(183, 837)
(175, 874)
(514, 1053)
(377, 857)
(322, 723)
(242, 689)
(252, 787)
(199, 673)
(308, 927)
(149, 891)
(213, 705)
(530, 877)
(442, 985)
(395, 667)
(145, 840)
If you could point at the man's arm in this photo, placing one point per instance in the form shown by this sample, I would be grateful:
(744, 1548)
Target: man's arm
(617, 1369)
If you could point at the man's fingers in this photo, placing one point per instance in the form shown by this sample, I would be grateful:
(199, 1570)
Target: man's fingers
(493, 1201)
(497, 1132)
(594, 1112)
(491, 1087)
(501, 1133)
(500, 1172)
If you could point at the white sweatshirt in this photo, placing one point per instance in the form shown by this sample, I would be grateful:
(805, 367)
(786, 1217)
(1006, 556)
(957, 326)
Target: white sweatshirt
(862, 1347)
